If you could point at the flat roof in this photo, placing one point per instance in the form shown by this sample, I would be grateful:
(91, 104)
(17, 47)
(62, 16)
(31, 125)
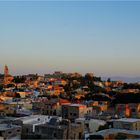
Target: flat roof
(31, 117)
(77, 105)
(80, 119)
(112, 130)
(57, 126)
(7, 119)
(84, 119)
(36, 122)
(36, 119)
(7, 126)
(131, 120)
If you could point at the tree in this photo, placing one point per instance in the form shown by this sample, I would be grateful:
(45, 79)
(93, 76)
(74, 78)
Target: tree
(19, 79)
(89, 77)
(126, 98)
(108, 80)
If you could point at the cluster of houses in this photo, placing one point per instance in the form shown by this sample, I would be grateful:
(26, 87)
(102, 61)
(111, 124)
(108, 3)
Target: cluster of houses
(61, 106)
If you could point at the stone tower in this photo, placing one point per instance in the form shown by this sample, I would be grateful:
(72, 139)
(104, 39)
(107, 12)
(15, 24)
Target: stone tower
(6, 71)
(7, 77)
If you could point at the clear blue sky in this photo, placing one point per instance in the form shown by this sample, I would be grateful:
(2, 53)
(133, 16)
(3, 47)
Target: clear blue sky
(100, 37)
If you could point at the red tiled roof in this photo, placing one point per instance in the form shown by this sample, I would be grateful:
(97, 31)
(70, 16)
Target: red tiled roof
(63, 101)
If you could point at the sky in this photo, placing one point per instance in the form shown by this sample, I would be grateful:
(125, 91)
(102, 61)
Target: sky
(71, 36)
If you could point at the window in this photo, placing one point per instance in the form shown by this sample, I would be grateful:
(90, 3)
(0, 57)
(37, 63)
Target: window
(87, 125)
(133, 110)
(79, 123)
(74, 114)
(126, 126)
(47, 112)
(54, 135)
(9, 132)
(51, 113)
(54, 112)
(18, 130)
(74, 135)
(37, 129)
(100, 103)
(80, 135)
(44, 130)
(27, 130)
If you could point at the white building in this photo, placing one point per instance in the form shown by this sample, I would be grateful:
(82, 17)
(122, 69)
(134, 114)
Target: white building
(127, 123)
(90, 125)
(29, 122)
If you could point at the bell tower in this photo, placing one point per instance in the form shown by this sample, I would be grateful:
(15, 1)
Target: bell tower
(7, 77)
(6, 70)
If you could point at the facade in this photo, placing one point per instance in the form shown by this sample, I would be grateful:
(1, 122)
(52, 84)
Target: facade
(55, 90)
(96, 110)
(60, 82)
(30, 122)
(90, 125)
(129, 110)
(127, 123)
(113, 134)
(9, 131)
(103, 105)
(51, 107)
(59, 129)
(74, 111)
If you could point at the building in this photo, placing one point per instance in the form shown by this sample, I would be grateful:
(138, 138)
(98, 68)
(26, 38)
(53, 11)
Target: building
(7, 77)
(58, 74)
(60, 82)
(55, 90)
(74, 111)
(30, 122)
(129, 110)
(9, 131)
(59, 129)
(113, 134)
(75, 74)
(101, 100)
(90, 125)
(127, 123)
(52, 107)
(103, 105)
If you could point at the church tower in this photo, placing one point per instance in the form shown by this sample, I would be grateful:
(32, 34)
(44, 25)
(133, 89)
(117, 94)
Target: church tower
(7, 77)
(6, 71)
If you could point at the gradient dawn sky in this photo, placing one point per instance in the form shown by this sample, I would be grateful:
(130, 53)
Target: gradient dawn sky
(95, 36)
